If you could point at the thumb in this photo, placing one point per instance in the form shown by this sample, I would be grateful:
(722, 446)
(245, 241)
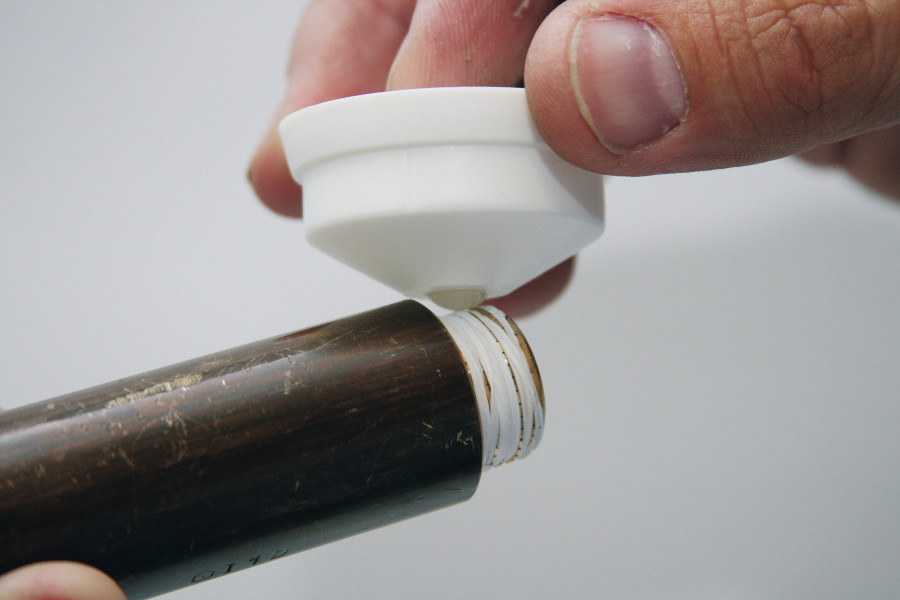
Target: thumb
(630, 87)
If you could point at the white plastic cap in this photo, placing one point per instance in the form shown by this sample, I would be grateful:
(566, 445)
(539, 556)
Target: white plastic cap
(448, 193)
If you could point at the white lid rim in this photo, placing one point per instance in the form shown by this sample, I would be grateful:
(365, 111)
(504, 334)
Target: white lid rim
(414, 118)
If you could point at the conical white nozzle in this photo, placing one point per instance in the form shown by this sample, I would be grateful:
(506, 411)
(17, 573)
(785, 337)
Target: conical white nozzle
(448, 193)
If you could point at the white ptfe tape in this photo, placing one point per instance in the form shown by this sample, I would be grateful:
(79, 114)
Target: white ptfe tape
(505, 381)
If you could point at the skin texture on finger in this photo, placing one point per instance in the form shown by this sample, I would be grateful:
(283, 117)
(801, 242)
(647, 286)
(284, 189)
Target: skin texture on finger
(341, 48)
(467, 42)
(763, 78)
(58, 581)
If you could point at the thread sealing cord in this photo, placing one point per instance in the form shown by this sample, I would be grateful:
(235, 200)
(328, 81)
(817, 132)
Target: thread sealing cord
(505, 380)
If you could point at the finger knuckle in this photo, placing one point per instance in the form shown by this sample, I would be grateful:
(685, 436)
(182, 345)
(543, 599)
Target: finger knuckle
(812, 58)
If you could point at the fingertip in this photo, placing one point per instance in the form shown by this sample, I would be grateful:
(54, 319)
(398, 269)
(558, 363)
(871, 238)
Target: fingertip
(59, 580)
(826, 155)
(271, 179)
(873, 158)
(537, 293)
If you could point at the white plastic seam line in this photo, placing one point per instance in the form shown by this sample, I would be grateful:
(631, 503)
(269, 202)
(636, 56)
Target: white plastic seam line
(512, 417)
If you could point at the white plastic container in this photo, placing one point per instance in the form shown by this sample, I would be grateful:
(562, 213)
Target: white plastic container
(448, 193)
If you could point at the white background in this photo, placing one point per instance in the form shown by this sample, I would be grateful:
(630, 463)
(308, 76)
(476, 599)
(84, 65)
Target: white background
(722, 376)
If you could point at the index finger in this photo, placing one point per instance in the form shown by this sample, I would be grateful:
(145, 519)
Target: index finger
(467, 42)
(341, 48)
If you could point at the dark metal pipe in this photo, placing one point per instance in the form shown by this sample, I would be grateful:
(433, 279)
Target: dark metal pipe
(217, 464)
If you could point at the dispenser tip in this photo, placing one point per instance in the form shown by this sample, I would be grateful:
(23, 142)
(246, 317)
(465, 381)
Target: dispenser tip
(457, 298)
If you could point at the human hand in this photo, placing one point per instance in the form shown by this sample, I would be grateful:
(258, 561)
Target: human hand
(625, 87)
(58, 581)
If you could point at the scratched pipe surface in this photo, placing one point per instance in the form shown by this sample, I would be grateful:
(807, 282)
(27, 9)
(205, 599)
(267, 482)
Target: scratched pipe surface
(210, 466)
